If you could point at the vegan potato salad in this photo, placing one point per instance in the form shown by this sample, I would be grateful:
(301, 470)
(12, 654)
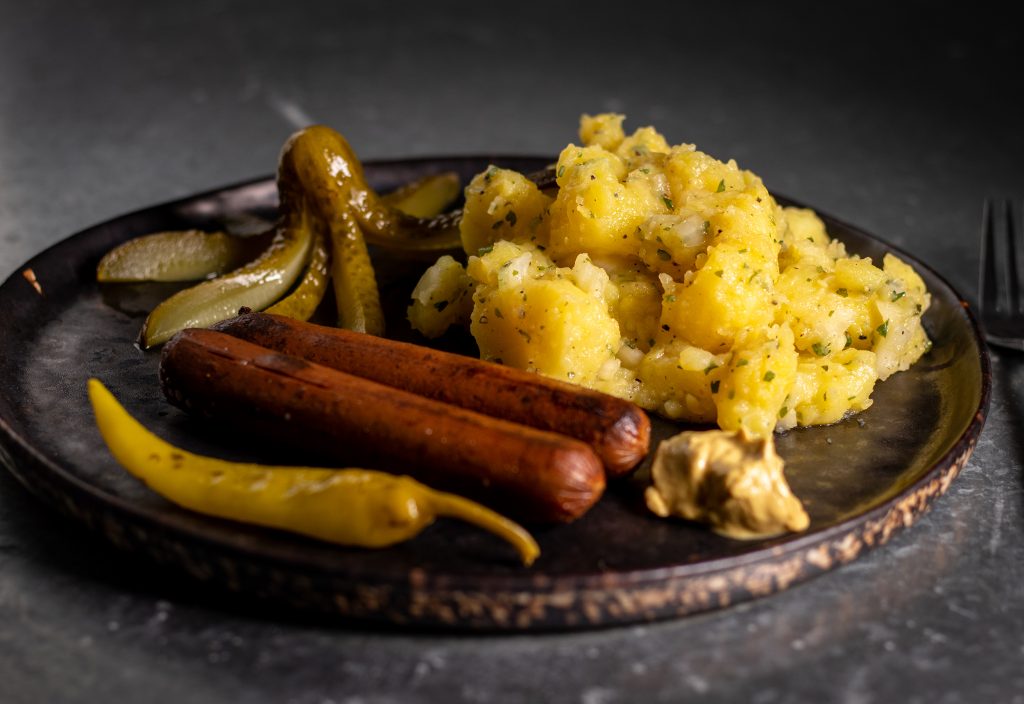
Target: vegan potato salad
(662, 275)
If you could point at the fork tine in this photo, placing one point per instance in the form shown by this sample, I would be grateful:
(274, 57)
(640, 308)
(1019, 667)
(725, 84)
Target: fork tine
(1001, 273)
(988, 284)
(1012, 263)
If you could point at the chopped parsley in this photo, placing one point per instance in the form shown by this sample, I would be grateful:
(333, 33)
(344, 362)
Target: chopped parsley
(511, 217)
(820, 349)
(769, 375)
(668, 202)
(664, 255)
(561, 171)
(440, 306)
(883, 329)
(898, 295)
(842, 292)
(721, 186)
(714, 386)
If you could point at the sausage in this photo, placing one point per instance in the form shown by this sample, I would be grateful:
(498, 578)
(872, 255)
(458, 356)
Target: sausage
(618, 430)
(533, 474)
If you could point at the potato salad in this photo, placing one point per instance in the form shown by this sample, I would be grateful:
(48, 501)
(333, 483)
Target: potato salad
(663, 275)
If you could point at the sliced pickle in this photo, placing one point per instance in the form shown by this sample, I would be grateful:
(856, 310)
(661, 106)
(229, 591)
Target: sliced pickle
(183, 255)
(316, 174)
(319, 150)
(303, 301)
(443, 236)
(355, 287)
(426, 197)
(255, 285)
(322, 190)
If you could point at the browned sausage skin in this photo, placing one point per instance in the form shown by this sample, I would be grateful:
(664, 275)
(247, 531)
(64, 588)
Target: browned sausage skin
(618, 431)
(532, 474)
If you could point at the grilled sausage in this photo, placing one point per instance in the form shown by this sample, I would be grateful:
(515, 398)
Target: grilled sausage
(618, 431)
(533, 474)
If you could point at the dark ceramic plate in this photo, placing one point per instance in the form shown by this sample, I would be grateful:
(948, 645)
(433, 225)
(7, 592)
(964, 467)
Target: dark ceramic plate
(860, 480)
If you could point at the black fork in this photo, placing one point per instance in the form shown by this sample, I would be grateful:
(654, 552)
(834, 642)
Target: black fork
(1001, 271)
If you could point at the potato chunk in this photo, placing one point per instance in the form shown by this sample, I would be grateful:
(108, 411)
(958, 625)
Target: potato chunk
(442, 298)
(533, 315)
(503, 205)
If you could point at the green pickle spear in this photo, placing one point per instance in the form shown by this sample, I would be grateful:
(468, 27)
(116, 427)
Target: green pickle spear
(312, 176)
(348, 506)
(328, 216)
(303, 301)
(193, 255)
(426, 197)
(381, 223)
(185, 255)
(255, 285)
(355, 287)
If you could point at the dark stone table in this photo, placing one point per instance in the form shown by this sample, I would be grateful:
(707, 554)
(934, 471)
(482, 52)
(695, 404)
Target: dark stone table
(899, 119)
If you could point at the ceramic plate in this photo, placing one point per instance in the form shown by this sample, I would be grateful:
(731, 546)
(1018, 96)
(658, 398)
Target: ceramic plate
(860, 480)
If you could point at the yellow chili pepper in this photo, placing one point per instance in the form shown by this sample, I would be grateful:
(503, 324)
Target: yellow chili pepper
(347, 506)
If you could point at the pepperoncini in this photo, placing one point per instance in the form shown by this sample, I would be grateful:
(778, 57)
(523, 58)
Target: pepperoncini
(346, 506)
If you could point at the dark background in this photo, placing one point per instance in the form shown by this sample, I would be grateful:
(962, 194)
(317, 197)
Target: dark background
(899, 118)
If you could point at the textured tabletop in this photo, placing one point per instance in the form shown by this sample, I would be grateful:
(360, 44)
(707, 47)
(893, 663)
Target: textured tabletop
(898, 120)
